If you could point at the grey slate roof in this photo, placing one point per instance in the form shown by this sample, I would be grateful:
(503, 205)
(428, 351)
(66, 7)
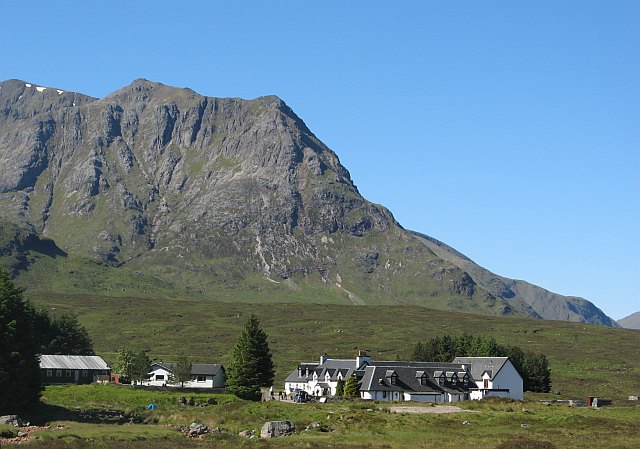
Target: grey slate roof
(480, 365)
(344, 367)
(378, 378)
(294, 377)
(73, 362)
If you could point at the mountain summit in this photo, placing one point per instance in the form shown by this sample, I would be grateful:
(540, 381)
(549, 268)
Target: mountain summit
(155, 190)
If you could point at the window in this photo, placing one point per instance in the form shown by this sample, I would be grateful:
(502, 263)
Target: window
(454, 379)
(159, 376)
(394, 378)
(58, 373)
(384, 395)
(423, 379)
(67, 373)
(49, 373)
(201, 378)
(486, 383)
(442, 379)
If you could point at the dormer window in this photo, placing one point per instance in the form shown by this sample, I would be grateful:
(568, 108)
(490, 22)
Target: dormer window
(465, 379)
(393, 378)
(442, 379)
(454, 379)
(423, 379)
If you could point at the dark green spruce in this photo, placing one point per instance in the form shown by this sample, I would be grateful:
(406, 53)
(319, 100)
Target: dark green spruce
(20, 384)
(251, 366)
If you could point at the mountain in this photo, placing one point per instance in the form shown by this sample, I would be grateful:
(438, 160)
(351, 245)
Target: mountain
(155, 190)
(630, 322)
(541, 303)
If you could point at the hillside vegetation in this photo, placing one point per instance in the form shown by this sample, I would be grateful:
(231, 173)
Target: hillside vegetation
(586, 360)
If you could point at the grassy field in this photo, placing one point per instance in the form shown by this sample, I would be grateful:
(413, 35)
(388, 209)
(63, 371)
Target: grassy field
(586, 360)
(115, 416)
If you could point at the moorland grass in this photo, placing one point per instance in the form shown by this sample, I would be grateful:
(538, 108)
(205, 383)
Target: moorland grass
(586, 360)
(345, 424)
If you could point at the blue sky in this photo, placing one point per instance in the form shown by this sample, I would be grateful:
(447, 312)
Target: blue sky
(509, 130)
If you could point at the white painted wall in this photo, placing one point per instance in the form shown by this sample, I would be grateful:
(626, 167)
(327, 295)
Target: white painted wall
(159, 377)
(508, 378)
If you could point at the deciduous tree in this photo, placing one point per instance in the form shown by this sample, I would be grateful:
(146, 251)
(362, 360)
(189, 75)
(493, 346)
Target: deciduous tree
(181, 371)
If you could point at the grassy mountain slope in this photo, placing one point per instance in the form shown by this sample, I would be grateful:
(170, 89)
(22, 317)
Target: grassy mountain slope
(158, 191)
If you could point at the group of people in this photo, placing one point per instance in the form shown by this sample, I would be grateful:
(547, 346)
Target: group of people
(281, 395)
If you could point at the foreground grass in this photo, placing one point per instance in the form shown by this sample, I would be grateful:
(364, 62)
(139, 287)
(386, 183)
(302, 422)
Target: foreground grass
(353, 424)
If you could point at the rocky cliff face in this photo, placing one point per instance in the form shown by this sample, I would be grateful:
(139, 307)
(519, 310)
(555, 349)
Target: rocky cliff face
(199, 192)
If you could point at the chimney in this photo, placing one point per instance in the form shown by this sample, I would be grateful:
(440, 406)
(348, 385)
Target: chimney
(324, 358)
(362, 358)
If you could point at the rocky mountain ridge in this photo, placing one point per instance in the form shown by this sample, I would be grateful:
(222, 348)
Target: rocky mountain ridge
(630, 322)
(211, 195)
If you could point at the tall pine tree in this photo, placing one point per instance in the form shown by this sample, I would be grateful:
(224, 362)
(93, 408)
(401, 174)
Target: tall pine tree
(251, 366)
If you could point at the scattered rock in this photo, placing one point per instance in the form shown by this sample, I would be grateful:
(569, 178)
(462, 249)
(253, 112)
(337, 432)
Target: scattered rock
(317, 426)
(524, 425)
(466, 423)
(272, 429)
(182, 400)
(246, 433)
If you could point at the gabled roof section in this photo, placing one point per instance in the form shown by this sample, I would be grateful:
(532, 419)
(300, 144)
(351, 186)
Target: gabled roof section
(480, 365)
(377, 378)
(310, 368)
(75, 362)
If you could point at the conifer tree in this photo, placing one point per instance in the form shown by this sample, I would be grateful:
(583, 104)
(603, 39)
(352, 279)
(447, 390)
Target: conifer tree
(351, 390)
(251, 366)
(20, 384)
(340, 388)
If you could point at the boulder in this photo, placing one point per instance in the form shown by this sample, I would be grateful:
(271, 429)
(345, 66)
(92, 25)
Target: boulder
(195, 429)
(277, 429)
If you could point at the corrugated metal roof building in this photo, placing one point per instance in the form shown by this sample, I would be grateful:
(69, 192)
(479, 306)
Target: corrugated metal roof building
(68, 369)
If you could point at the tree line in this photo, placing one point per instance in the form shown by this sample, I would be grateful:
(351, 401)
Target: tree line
(26, 332)
(532, 366)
